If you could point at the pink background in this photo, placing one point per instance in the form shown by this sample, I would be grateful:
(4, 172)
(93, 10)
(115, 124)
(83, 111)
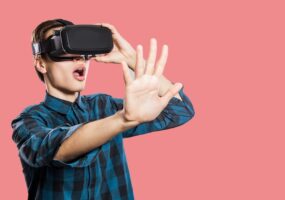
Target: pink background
(230, 57)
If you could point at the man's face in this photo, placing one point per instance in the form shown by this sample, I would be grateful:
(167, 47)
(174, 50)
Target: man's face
(66, 76)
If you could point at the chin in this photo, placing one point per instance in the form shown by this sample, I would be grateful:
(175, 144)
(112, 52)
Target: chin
(75, 88)
(79, 89)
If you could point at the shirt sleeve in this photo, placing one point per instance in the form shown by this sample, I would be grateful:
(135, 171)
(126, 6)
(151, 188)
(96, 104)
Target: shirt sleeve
(176, 113)
(38, 144)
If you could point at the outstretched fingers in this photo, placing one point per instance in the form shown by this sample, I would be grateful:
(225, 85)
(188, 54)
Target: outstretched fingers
(161, 62)
(140, 65)
(127, 76)
(152, 57)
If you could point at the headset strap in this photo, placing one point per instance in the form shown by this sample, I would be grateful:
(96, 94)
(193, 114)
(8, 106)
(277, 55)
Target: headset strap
(64, 22)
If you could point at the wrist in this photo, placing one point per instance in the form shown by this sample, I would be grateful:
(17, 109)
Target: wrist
(125, 123)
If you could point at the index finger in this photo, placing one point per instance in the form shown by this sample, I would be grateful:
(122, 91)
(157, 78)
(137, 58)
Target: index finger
(111, 27)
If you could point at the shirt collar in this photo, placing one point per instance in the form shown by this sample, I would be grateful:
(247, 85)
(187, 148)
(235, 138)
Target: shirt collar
(60, 105)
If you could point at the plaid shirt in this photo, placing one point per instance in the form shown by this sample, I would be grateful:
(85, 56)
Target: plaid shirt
(99, 174)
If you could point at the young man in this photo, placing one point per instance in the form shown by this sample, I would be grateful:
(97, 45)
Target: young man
(70, 145)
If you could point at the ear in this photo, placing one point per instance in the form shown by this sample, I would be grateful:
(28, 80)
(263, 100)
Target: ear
(40, 65)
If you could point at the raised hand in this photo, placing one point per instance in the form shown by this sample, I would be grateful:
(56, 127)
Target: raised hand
(142, 102)
(122, 50)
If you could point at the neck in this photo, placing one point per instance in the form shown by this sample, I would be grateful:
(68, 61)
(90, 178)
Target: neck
(65, 95)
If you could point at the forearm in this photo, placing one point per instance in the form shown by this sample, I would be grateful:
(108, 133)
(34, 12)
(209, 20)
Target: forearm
(92, 135)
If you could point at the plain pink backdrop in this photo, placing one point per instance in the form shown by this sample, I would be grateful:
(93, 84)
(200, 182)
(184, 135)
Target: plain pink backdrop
(230, 57)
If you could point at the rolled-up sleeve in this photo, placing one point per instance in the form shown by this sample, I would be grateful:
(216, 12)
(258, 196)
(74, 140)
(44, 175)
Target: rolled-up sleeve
(176, 113)
(38, 143)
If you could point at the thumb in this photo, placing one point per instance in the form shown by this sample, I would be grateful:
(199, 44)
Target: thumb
(102, 58)
(171, 92)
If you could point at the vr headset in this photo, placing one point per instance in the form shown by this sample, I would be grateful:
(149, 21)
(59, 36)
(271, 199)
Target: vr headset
(82, 40)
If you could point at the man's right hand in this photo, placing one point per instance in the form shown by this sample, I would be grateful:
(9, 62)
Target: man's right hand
(142, 102)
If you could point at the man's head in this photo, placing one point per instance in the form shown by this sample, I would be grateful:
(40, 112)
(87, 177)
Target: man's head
(66, 76)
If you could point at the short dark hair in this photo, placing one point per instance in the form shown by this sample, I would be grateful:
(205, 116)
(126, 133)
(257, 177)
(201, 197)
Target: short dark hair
(38, 35)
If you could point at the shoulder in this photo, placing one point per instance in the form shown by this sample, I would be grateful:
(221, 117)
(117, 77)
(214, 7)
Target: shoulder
(32, 111)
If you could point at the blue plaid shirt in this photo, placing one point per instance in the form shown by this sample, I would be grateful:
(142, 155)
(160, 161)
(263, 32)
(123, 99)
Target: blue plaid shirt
(99, 174)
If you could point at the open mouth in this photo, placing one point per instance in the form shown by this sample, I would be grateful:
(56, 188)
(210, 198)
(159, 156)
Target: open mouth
(79, 74)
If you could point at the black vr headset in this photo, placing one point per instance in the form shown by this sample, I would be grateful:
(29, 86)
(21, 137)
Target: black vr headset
(83, 40)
